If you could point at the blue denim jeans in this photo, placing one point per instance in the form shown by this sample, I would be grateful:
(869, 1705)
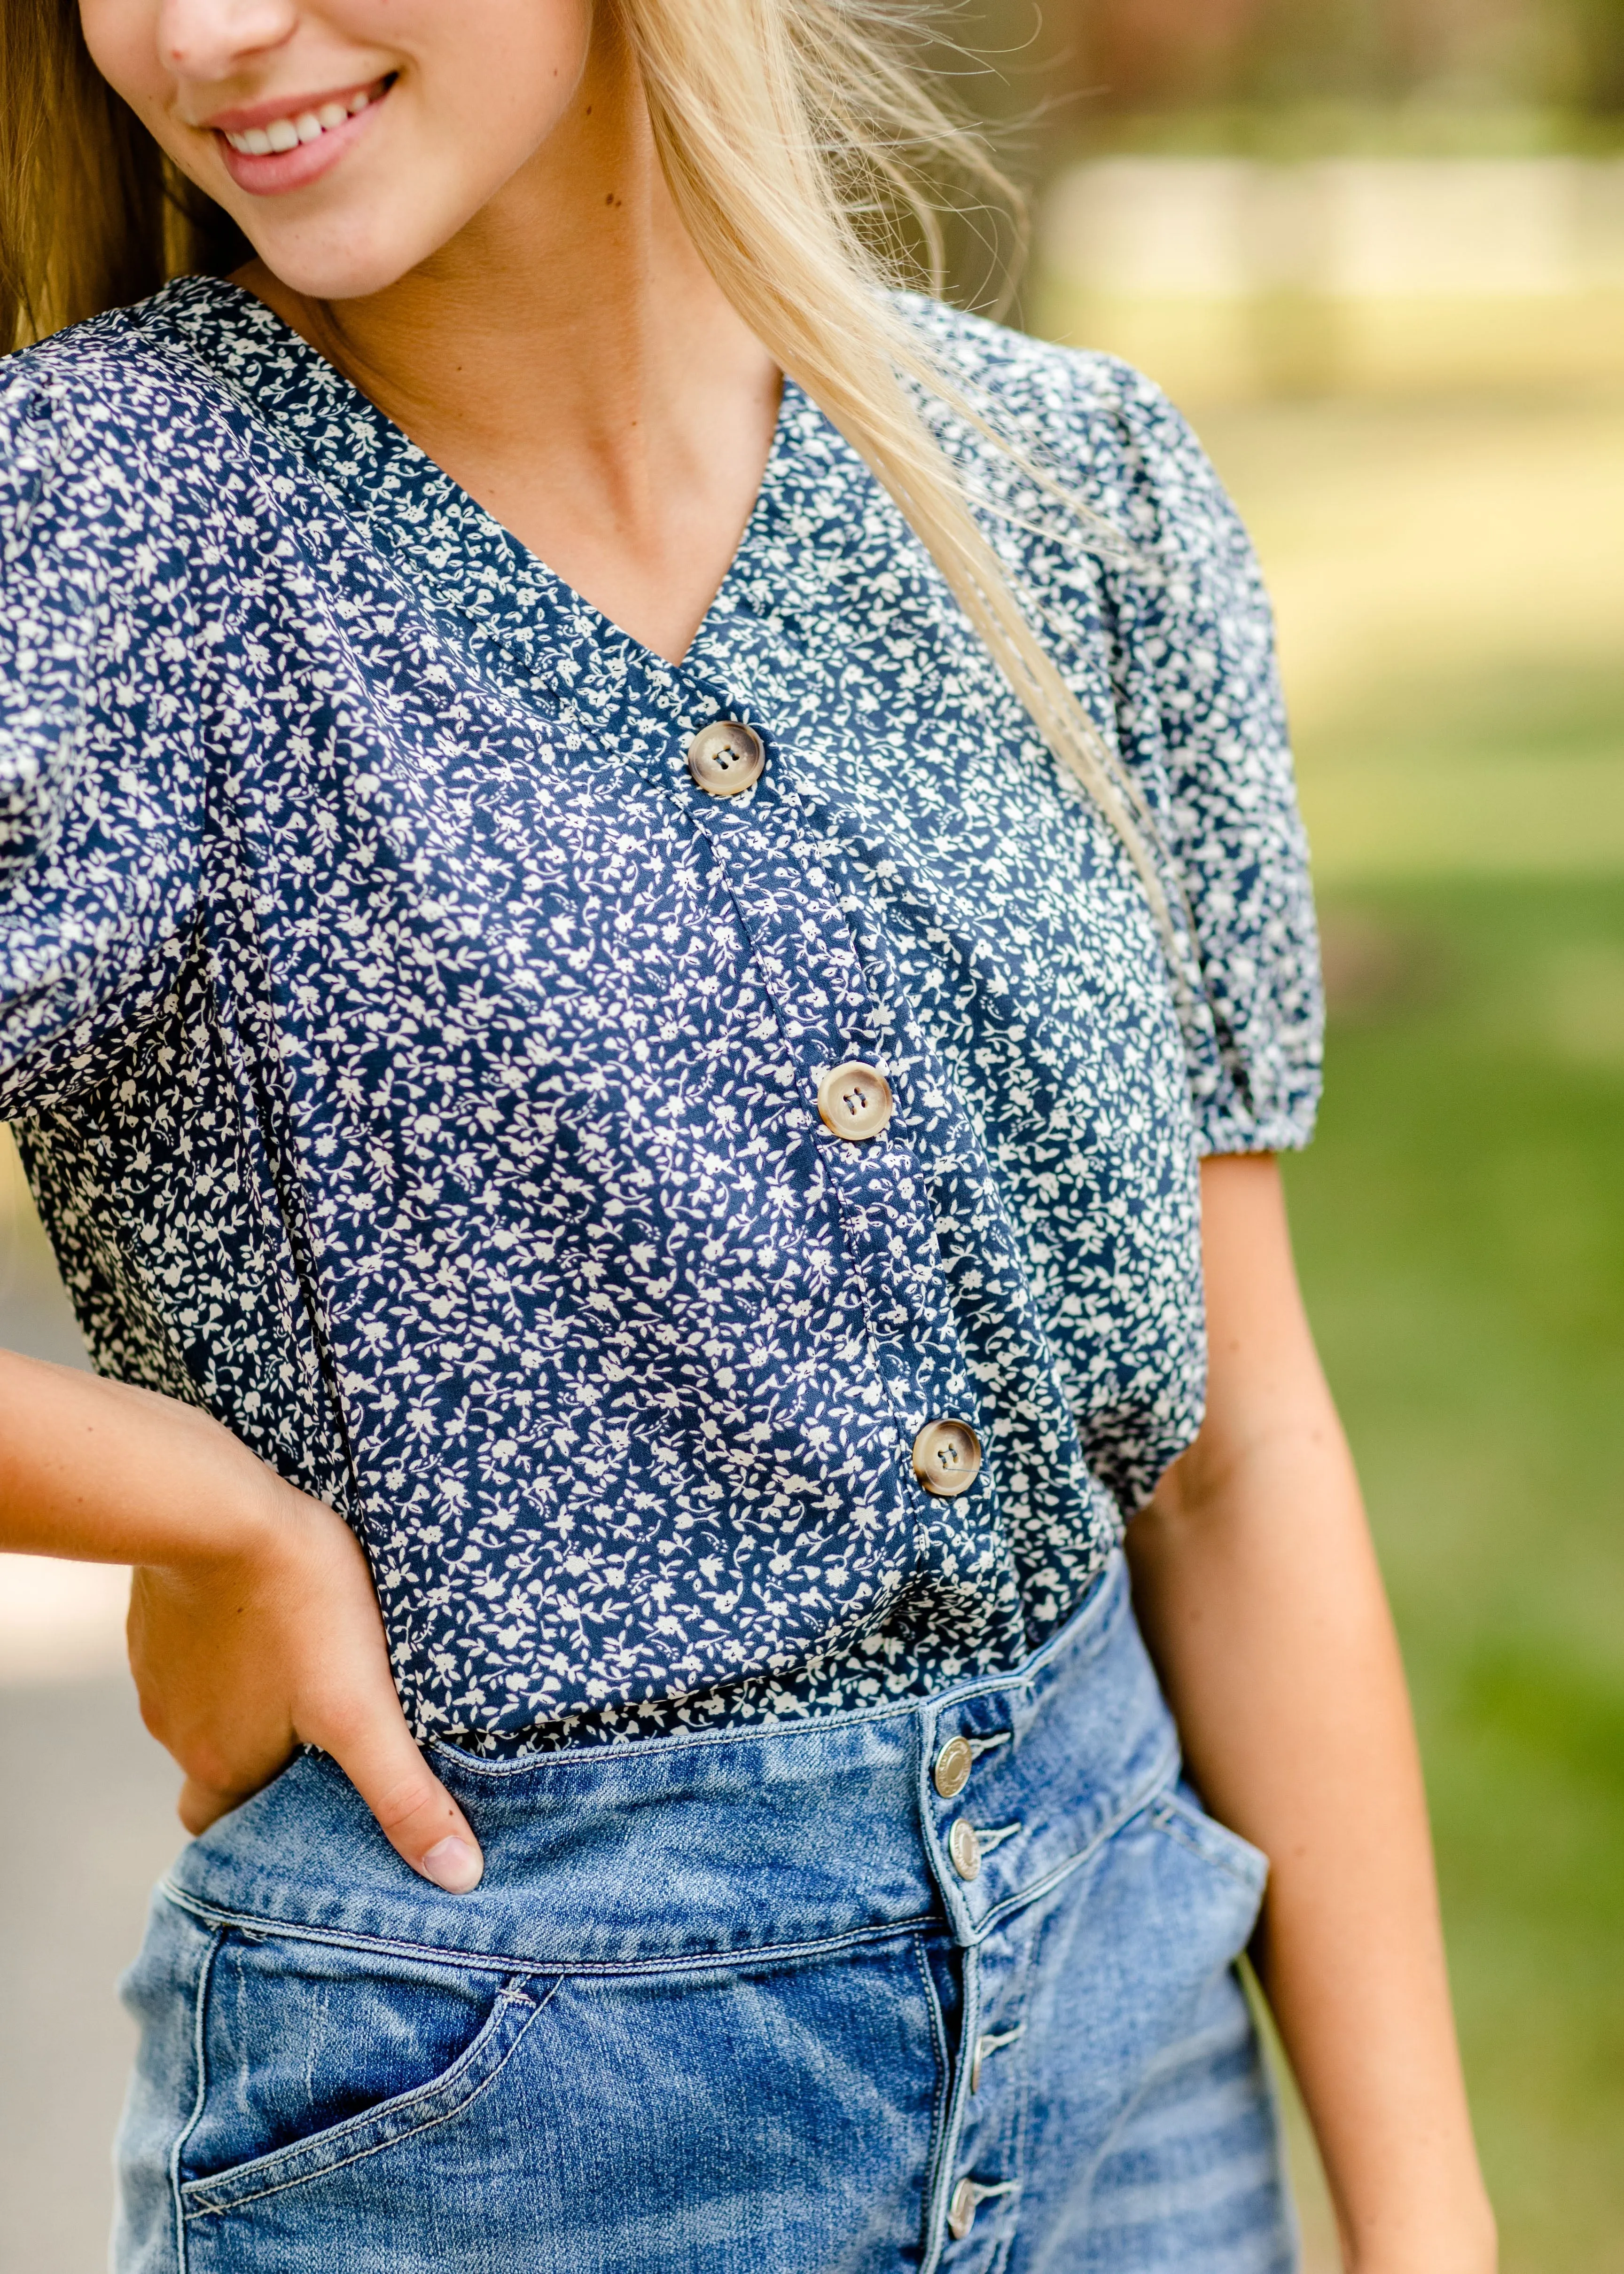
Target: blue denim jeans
(727, 2004)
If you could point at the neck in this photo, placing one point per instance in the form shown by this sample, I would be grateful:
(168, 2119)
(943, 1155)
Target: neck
(569, 358)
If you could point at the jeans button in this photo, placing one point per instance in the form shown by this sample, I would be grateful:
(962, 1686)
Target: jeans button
(965, 1849)
(961, 2210)
(952, 1771)
(989, 2042)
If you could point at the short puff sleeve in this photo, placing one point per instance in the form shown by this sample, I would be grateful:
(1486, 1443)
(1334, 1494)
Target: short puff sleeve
(1202, 725)
(99, 779)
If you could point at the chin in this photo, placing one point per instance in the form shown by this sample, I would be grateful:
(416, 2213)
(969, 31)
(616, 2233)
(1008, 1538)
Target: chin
(341, 262)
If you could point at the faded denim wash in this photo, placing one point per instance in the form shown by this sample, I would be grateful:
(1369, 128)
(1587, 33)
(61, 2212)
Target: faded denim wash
(723, 2005)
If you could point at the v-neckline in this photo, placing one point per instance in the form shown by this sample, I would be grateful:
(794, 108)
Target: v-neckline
(395, 472)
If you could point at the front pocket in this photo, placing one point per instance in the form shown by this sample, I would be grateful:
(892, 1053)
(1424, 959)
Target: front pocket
(315, 2059)
(1180, 1812)
(705, 2118)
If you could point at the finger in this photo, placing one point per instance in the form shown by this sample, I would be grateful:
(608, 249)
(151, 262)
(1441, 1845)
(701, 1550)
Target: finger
(415, 1812)
(201, 1804)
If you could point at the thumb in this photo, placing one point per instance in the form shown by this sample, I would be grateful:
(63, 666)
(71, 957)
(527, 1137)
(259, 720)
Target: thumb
(417, 1815)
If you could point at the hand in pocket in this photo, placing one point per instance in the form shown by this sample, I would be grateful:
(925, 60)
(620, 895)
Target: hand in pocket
(241, 1658)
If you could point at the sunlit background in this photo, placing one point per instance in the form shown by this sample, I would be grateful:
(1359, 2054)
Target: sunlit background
(1377, 253)
(1375, 250)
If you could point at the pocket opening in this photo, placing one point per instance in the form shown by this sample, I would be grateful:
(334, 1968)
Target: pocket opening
(372, 2130)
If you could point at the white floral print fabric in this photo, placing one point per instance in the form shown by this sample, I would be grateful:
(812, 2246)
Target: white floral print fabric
(417, 1069)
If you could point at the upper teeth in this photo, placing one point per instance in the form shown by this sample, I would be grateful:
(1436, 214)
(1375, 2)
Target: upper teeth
(306, 126)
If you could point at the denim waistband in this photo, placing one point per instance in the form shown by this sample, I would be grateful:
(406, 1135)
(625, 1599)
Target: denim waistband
(732, 1845)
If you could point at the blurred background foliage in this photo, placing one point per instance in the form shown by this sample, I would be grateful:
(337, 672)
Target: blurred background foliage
(1375, 248)
(1443, 75)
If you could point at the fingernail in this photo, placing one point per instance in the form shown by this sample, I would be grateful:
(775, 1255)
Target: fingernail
(455, 1864)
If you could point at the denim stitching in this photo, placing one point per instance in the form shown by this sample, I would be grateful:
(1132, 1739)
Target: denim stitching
(969, 1958)
(1174, 1818)
(1142, 1802)
(942, 2100)
(1020, 2037)
(486, 1962)
(204, 2209)
(199, 2050)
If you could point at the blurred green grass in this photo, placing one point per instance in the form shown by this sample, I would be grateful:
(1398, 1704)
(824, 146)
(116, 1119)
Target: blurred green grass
(1460, 1222)
(1448, 579)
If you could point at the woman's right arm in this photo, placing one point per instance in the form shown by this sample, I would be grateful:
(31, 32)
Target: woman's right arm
(253, 1624)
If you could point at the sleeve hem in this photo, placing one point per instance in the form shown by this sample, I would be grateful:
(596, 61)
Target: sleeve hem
(1277, 1133)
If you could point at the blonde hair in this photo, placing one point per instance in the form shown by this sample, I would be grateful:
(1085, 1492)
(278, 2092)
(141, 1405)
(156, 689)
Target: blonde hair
(801, 181)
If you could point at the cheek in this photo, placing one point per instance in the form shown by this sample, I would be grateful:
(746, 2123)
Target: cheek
(503, 86)
(482, 86)
(468, 113)
(122, 36)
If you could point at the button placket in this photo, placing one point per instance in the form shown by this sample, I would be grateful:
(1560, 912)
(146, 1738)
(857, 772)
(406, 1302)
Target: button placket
(956, 1817)
(981, 2157)
(891, 1248)
(800, 939)
(822, 991)
(984, 2148)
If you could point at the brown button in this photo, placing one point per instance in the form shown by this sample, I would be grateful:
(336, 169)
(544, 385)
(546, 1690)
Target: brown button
(952, 1771)
(947, 1457)
(725, 758)
(965, 1849)
(961, 2209)
(854, 1100)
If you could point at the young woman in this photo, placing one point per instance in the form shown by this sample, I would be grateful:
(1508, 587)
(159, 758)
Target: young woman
(651, 926)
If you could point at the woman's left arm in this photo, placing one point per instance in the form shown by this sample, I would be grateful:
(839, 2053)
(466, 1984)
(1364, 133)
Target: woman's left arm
(1260, 1599)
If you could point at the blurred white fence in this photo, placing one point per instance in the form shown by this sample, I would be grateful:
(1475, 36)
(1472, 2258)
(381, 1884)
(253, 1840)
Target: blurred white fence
(1230, 278)
(1232, 228)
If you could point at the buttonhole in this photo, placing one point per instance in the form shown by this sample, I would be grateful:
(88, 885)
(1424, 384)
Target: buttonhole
(990, 2041)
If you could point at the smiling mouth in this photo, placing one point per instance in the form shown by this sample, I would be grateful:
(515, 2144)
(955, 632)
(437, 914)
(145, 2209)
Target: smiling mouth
(280, 134)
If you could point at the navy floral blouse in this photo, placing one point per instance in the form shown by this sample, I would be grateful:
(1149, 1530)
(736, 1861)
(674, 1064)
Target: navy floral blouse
(418, 1057)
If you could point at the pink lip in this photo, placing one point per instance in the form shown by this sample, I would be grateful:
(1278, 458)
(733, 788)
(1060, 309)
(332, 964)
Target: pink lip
(281, 170)
(285, 106)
